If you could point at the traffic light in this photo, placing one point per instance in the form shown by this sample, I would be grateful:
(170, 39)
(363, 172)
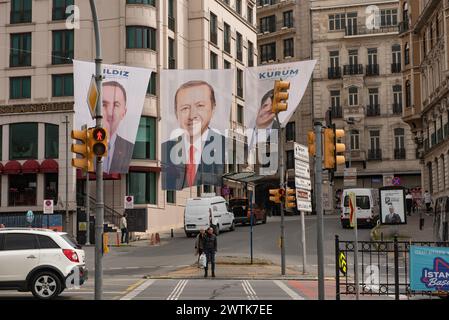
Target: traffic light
(339, 147)
(98, 142)
(82, 149)
(290, 198)
(329, 148)
(312, 143)
(276, 195)
(280, 96)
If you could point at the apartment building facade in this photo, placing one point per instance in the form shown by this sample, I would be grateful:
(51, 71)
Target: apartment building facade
(358, 78)
(36, 94)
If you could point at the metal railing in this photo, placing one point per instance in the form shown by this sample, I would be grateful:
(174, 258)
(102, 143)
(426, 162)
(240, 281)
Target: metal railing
(403, 27)
(399, 154)
(361, 29)
(397, 108)
(352, 69)
(373, 110)
(396, 68)
(171, 23)
(375, 154)
(111, 216)
(334, 73)
(372, 70)
(337, 112)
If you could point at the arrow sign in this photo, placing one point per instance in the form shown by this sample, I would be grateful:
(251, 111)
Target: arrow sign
(302, 169)
(303, 183)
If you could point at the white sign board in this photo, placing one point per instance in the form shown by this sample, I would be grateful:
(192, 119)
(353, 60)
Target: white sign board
(350, 177)
(129, 202)
(48, 206)
(303, 183)
(302, 169)
(304, 200)
(301, 152)
(388, 180)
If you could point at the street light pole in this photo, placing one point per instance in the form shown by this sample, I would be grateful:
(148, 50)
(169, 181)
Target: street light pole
(282, 186)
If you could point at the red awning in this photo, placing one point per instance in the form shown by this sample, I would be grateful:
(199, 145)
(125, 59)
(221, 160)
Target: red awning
(93, 177)
(49, 166)
(31, 166)
(12, 167)
(144, 169)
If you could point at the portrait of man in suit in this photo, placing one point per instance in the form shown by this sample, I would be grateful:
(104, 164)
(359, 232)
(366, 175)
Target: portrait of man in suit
(114, 111)
(197, 155)
(392, 217)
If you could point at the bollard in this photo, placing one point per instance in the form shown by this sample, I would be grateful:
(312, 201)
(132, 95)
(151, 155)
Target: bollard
(158, 239)
(172, 235)
(152, 240)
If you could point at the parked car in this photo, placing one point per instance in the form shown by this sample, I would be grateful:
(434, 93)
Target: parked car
(40, 261)
(367, 202)
(242, 211)
(200, 212)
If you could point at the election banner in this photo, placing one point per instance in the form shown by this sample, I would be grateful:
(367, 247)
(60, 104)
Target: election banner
(195, 120)
(392, 205)
(429, 268)
(259, 84)
(123, 93)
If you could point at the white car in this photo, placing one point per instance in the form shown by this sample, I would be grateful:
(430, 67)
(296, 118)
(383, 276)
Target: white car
(41, 261)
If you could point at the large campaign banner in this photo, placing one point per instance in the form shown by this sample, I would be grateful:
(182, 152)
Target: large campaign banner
(259, 84)
(392, 205)
(429, 268)
(195, 113)
(123, 94)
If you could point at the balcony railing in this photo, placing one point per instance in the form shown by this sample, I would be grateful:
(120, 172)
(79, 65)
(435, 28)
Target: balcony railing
(353, 69)
(396, 68)
(403, 26)
(334, 73)
(361, 29)
(373, 110)
(372, 70)
(171, 23)
(399, 154)
(336, 112)
(397, 108)
(375, 154)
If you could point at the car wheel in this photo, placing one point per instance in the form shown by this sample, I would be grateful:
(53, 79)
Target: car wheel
(232, 228)
(46, 285)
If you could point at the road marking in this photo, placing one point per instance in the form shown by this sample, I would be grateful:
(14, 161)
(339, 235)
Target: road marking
(135, 292)
(176, 293)
(288, 291)
(249, 290)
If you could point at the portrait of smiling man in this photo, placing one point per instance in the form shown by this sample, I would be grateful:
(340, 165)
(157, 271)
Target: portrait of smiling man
(197, 154)
(114, 111)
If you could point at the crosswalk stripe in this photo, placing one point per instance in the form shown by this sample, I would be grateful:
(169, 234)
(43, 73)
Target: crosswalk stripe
(176, 293)
(131, 295)
(288, 291)
(251, 294)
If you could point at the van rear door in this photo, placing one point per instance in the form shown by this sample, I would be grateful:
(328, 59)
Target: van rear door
(363, 203)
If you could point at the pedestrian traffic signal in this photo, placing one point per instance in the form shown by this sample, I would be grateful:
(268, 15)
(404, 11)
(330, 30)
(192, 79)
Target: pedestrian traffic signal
(82, 149)
(276, 195)
(312, 143)
(332, 147)
(290, 198)
(280, 96)
(99, 142)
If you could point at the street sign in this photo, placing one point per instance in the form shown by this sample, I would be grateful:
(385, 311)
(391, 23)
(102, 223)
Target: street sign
(92, 97)
(304, 200)
(301, 152)
(302, 169)
(342, 265)
(129, 202)
(303, 183)
(48, 206)
(388, 180)
(30, 216)
(396, 181)
(350, 177)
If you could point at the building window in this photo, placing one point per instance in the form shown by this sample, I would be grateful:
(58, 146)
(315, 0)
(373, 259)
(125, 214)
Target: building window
(20, 54)
(23, 138)
(290, 159)
(408, 94)
(20, 88)
(268, 52)
(239, 83)
(373, 95)
(140, 38)
(171, 15)
(267, 2)
(240, 113)
(351, 24)
(145, 146)
(388, 17)
(250, 54)
(334, 59)
(227, 64)
(355, 140)
(62, 85)
(396, 58)
(407, 54)
(238, 6)
(289, 48)
(60, 8)
(213, 60)
(290, 133)
(171, 196)
(171, 54)
(20, 11)
(353, 96)
(397, 99)
(337, 21)
(142, 185)
(249, 14)
(239, 46)
(148, 2)
(151, 90)
(268, 24)
(336, 110)
(63, 44)
(288, 19)
(51, 187)
(374, 139)
(399, 145)
(51, 141)
(213, 28)
(227, 38)
(22, 190)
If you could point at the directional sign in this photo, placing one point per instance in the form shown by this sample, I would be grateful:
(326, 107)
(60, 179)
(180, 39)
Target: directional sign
(48, 206)
(304, 200)
(129, 202)
(301, 152)
(92, 97)
(30, 216)
(302, 169)
(303, 183)
(342, 265)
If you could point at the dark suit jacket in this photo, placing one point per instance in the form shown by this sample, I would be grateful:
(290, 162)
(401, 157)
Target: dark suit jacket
(174, 174)
(123, 152)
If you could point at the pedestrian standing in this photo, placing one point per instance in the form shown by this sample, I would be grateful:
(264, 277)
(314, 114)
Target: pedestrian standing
(409, 202)
(124, 228)
(427, 200)
(199, 244)
(210, 248)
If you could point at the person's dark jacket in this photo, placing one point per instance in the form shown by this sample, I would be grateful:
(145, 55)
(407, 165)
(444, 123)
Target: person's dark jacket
(210, 242)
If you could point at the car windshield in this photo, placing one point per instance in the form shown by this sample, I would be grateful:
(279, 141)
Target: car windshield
(72, 242)
(361, 201)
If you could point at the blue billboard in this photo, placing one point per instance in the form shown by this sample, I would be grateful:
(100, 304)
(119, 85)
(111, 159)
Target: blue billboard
(429, 268)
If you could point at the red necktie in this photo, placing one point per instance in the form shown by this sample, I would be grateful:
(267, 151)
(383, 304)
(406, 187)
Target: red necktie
(191, 166)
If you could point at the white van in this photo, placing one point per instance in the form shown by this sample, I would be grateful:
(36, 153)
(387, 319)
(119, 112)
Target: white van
(367, 202)
(197, 215)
